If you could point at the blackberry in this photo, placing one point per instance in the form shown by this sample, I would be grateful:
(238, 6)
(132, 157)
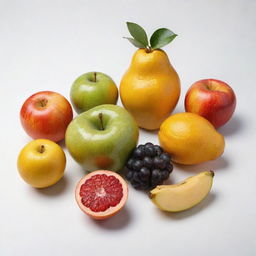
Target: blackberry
(137, 165)
(149, 151)
(147, 162)
(148, 145)
(148, 166)
(138, 153)
(165, 174)
(170, 168)
(129, 163)
(158, 150)
(144, 173)
(165, 157)
(159, 163)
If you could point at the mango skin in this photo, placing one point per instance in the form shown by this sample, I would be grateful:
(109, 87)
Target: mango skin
(150, 89)
(190, 139)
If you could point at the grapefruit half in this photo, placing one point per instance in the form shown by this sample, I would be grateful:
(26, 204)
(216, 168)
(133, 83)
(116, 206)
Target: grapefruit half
(101, 194)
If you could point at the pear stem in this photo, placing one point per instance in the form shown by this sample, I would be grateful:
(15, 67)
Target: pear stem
(94, 76)
(101, 121)
(148, 49)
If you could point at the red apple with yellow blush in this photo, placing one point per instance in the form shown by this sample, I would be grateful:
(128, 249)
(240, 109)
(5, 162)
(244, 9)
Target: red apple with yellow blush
(46, 115)
(213, 99)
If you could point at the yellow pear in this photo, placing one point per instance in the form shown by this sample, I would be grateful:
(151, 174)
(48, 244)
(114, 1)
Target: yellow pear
(184, 195)
(190, 139)
(150, 88)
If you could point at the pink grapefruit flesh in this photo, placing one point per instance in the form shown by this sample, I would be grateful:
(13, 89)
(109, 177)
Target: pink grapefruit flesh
(101, 194)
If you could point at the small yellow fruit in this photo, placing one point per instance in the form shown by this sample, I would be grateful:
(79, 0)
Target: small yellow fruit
(41, 163)
(150, 88)
(190, 139)
(184, 195)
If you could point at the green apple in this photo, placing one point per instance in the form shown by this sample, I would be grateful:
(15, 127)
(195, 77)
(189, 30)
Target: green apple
(102, 138)
(93, 89)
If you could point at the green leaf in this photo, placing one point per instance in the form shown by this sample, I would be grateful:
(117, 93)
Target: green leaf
(138, 33)
(135, 42)
(161, 37)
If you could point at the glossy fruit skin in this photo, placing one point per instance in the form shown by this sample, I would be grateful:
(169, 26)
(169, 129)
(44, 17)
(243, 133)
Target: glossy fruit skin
(190, 139)
(46, 115)
(86, 93)
(112, 210)
(107, 149)
(148, 166)
(213, 99)
(41, 169)
(150, 88)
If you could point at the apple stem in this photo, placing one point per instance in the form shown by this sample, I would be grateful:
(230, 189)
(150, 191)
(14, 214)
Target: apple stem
(94, 76)
(101, 121)
(42, 149)
(43, 103)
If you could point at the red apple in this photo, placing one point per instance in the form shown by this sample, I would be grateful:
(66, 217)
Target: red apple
(46, 115)
(213, 99)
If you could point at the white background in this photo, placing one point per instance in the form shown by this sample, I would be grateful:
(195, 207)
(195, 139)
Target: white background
(45, 45)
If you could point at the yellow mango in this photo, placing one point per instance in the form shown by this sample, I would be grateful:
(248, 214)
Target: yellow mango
(190, 139)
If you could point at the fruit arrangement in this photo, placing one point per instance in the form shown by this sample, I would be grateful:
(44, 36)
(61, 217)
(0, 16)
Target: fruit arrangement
(103, 137)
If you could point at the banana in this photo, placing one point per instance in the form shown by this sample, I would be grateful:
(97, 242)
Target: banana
(183, 195)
